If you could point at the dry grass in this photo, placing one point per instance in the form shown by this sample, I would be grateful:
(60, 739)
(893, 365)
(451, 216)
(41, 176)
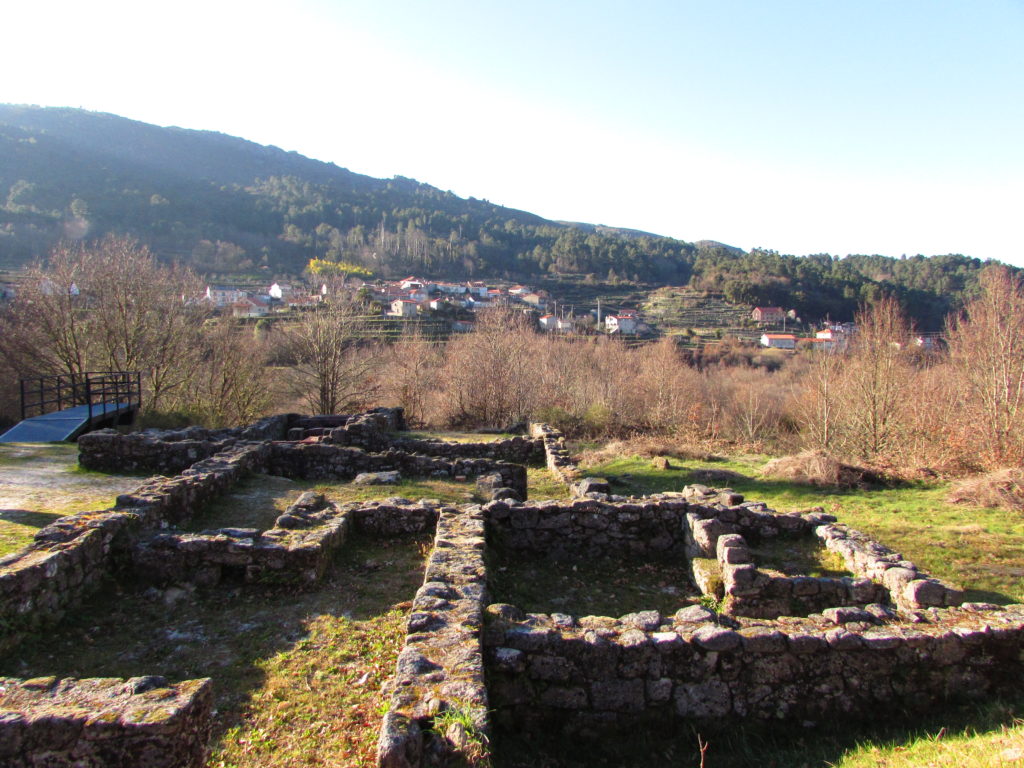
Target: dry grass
(645, 447)
(822, 470)
(1002, 489)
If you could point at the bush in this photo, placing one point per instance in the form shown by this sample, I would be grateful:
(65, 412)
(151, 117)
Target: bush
(822, 470)
(557, 417)
(1003, 489)
(647, 448)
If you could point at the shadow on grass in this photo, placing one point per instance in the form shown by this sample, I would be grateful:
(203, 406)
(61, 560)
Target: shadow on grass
(760, 745)
(587, 586)
(230, 632)
(28, 517)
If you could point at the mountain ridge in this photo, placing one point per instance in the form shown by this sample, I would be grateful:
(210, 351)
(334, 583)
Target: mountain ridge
(227, 205)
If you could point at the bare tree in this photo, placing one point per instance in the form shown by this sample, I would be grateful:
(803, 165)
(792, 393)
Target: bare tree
(105, 305)
(230, 385)
(986, 348)
(876, 380)
(487, 371)
(818, 409)
(409, 375)
(334, 360)
(46, 329)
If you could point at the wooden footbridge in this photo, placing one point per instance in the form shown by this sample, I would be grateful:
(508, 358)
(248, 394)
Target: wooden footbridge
(55, 408)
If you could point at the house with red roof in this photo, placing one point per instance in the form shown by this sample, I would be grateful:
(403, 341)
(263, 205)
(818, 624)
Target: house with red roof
(778, 340)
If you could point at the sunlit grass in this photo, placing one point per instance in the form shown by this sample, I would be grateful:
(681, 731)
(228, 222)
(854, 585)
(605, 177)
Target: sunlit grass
(980, 548)
(42, 482)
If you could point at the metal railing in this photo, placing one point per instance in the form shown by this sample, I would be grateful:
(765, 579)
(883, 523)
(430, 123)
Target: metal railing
(101, 391)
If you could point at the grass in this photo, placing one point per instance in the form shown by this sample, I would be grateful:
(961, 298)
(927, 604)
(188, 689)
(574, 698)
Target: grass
(541, 484)
(297, 675)
(980, 548)
(804, 556)
(42, 482)
(589, 587)
(256, 501)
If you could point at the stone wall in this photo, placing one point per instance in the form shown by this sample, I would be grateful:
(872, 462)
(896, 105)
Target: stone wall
(909, 586)
(557, 457)
(169, 451)
(595, 673)
(590, 527)
(143, 721)
(69, 559)
(297, 549)
(520, 450)
(751, 592)
(324, 461)
(441, 665)
(721, 524)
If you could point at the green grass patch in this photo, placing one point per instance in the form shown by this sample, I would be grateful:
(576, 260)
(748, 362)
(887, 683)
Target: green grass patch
(42, 482)
(257, 500)
(980, 548)
(297, 673)
(541, 484)
(802, 556)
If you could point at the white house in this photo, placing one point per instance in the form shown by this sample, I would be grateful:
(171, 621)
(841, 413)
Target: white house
(620, 323)
(778, 340)
(451, 289)
(247, 307)
(548, 322)
(222, 297)
(411, 283)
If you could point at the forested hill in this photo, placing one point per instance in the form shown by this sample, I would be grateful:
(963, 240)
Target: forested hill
(229, 205)
(226, 205)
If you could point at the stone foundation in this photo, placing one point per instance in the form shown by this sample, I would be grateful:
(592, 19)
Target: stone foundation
(441, 666)
(69, 559)
(298, 549)
(323, 461)
(888, 638)
(169, 451)
(105, 722)
(559, 463)
(546, 671)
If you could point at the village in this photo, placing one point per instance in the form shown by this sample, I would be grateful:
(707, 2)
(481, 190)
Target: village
(458, 302)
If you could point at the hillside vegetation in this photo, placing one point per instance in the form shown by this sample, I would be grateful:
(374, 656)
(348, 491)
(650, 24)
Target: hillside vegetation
(227, 206)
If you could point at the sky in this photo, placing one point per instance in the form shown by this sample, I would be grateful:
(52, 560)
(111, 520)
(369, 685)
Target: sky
(835, 126)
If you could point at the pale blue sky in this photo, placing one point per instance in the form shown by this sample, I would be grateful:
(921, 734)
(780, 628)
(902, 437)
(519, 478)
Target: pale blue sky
(846, 127)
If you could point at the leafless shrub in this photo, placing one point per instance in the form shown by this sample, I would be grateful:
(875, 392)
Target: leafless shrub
(645, 447)
(986, 346)
(1002, 489)
(822, 470)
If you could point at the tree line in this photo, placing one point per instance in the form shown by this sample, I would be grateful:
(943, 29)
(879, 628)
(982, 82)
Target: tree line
(111, 305)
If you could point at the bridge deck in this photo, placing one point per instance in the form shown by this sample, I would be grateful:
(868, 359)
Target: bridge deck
(63, 425)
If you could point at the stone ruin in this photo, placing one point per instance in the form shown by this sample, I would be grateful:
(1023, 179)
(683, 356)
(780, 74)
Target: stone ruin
(781, 646)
